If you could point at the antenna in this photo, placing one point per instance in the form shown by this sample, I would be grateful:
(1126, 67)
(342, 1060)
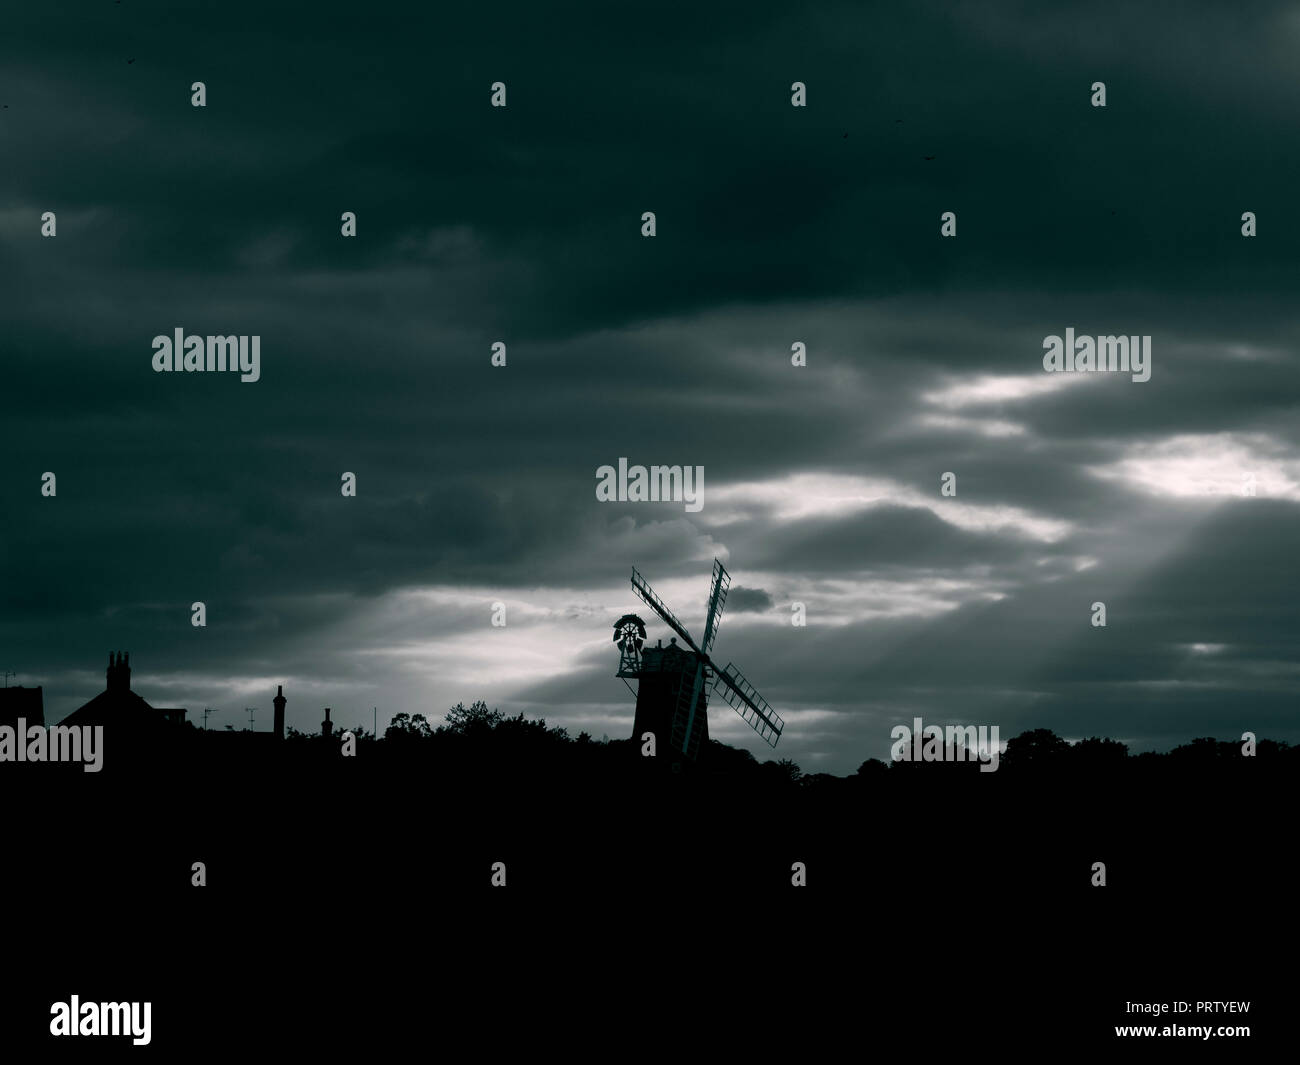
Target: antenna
(9, 673)
(249, 710)
(206, 711)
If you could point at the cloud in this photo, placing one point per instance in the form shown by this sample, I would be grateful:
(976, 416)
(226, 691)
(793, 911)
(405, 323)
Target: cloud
(1224, 465)
(748, 600)
(476, 483)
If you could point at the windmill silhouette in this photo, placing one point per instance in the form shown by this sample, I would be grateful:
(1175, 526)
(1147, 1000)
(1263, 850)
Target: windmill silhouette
(673, 682)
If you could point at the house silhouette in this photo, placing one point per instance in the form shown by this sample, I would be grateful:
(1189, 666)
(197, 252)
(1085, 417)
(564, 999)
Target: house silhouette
(119, 708)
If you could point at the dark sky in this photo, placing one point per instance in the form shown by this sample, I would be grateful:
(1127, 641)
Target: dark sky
(775, 224)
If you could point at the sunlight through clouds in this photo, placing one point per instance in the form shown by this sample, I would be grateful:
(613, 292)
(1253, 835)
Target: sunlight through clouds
(803, 496)
(1219, 464)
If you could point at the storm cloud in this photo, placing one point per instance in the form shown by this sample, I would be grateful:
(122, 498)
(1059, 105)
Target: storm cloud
(775, 225)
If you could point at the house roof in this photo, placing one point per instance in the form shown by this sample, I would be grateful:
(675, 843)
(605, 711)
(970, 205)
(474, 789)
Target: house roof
(116, 708)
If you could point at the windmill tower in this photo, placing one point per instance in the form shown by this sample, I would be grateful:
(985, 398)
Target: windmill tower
(673, 682)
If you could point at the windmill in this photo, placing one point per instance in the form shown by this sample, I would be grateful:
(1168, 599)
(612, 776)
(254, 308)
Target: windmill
(672, 695)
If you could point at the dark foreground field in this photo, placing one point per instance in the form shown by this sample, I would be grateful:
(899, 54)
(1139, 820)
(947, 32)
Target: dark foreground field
(351, 902)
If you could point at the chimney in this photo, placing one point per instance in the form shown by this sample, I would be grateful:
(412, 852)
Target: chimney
(278, 702)
(326, 726)
(119, 672)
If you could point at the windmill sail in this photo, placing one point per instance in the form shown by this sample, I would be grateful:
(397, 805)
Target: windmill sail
(689, 721)
(752, 707)
(717, 599)
(656, 604)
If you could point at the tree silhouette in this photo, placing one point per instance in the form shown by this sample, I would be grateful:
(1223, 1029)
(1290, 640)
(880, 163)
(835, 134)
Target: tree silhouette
(1034, 748)
(404, 727)
(473, 721)
(872, 769)
(1094, 752)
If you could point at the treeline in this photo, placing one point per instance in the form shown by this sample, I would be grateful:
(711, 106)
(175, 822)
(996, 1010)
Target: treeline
(477, 739)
